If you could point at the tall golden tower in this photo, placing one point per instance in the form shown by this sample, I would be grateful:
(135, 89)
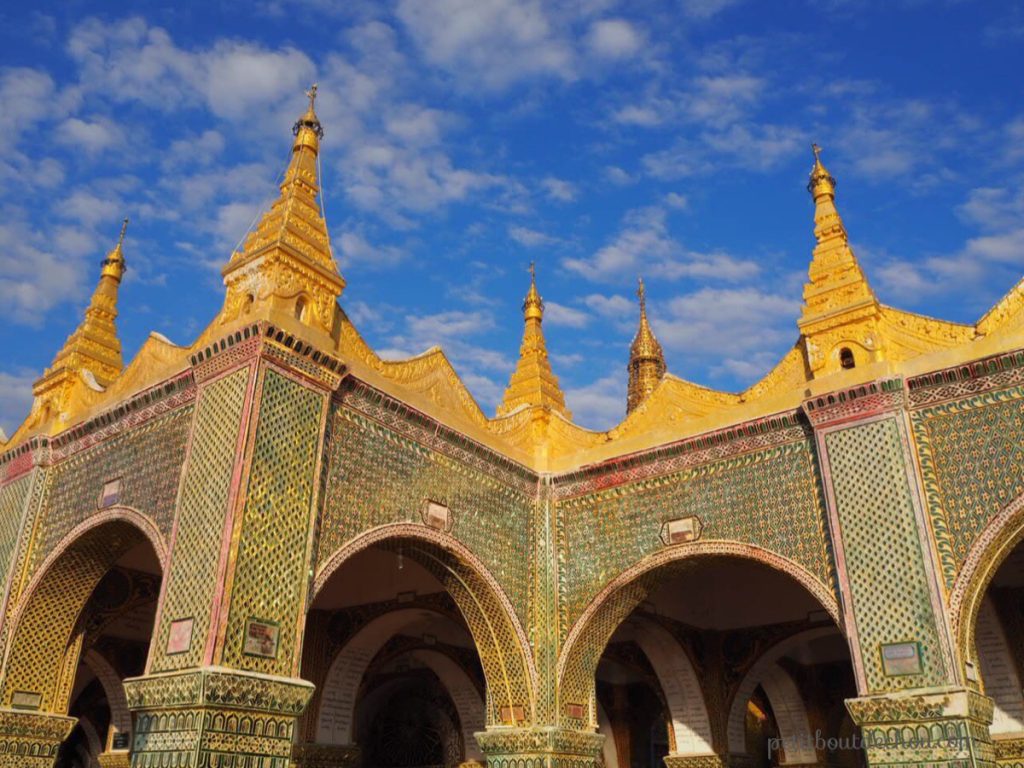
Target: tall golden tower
(91, 356)
(840, 316)
(533, 382)
(646, 358)
(286, 264)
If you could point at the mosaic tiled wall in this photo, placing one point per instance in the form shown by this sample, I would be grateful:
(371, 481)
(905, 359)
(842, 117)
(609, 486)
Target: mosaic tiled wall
(882, 547)
(376, 476)
(267, 583)
(204, 498)
(771, 498)
(147, 459)
(12, 502)
(972, 463)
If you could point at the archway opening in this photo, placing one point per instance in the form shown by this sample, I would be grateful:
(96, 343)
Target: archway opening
(400, 680)
(748, 663)
(999, 665)
(84, 624)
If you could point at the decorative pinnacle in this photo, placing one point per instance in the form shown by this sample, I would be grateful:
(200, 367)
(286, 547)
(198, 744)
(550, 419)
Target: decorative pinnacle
(821, 181)
(124, 228)
(533, 305)
(642, 295)
(113, 265)
(309, 120)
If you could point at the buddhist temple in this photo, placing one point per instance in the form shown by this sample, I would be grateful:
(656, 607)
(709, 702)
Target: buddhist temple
(268, 547)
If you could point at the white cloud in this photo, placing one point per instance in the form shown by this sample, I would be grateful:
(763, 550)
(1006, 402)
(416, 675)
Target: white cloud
(705, 9)
(89, 136)
(356, 249)
(559, 314)
(645, 246)
(601, 404)
(559, 189)
(15, 398)
(677, 201)
(618, 176)
(530, 238)
(489, 43)
(614, 39)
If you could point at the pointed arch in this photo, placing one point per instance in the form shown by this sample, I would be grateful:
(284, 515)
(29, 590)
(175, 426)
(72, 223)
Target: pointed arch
(499, 636)
(784, 697)
(42, 654)
(577, 662)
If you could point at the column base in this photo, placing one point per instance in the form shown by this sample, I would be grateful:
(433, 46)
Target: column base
(31, 739)
(935, 727)
(325, 755)
(696, 761)
(118, 759)
(214, 715)
(1009, 749)
(545, 746)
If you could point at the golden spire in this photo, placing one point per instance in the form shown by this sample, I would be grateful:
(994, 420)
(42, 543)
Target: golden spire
(286, 264)
(646, 359)
(839, 305)
(533, 383)
(93, 351)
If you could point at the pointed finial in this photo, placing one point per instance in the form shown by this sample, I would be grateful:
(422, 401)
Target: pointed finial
(642, 295)
(308, 120)
(114, 265)
(821, 181)
(124, 228)
(311, 93)
(646, 359)
(533, 305)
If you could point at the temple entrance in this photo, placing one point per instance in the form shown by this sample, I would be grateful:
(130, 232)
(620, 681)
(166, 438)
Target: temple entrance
(720, 657)
(84, 625)
(999, 666)
(400, 682)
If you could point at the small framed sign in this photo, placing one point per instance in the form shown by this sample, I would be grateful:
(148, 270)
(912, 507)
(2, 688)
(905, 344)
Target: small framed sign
(901, 658)
(437, 515)
(111, 493)
(179, 639)
(261, 638)
(26, 700)
(680, 531)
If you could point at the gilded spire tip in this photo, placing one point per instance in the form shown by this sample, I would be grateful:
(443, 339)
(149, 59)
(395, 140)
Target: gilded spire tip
(821, 181)
(309, 119)
(124, 228)
(533, 305)
(641, 294)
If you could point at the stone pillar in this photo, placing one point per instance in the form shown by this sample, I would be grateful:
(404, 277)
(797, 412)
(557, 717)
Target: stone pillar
(31, 739)
(324, 756)
(222, 677)
(1009, 751)
(913, 707)
(540, 747)
(941, 726)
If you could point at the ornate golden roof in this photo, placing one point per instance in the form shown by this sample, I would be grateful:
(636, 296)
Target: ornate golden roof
(533, 383)
(286, 273)
(646, 359)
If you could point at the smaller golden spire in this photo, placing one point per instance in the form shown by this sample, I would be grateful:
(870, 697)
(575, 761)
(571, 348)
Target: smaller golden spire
(646, 358)
(821, 182)
(533, 383)
(93, 350)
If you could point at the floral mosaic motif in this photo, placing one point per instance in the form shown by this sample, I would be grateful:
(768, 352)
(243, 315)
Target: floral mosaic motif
(771, 498)
(376, 477)
(972, 463)
(12, 501)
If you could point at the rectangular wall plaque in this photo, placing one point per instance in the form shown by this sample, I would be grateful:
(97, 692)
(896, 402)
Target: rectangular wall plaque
(680, 531)
(111, 493)
(179, 639)
(901, 658)
(261, 638)
(26, 700)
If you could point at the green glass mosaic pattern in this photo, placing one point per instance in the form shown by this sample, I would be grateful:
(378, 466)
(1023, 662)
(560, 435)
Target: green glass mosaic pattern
(12, 501)
(882, 547)
(377, 477)
(204, 500)
(271, 564)
(770, 498)
(148, 461)
(972, 462)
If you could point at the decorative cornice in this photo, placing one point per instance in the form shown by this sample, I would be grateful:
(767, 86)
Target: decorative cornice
(862, 401)
(770, 431)
(986, 374)
(219, 687)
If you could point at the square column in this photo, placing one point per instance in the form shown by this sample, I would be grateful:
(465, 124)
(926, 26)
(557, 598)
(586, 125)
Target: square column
(31, 739)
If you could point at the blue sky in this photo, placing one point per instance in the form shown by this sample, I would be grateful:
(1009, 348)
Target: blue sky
(464, 138)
